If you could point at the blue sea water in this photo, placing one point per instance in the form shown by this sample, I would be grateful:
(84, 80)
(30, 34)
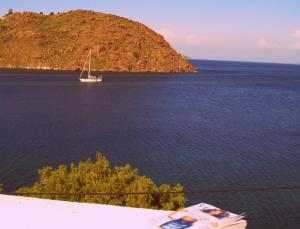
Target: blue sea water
(232, 125)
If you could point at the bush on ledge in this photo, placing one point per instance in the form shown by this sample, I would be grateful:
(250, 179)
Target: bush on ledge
(87, 178)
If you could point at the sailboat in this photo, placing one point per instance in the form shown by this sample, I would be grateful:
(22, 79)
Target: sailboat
(90, 78)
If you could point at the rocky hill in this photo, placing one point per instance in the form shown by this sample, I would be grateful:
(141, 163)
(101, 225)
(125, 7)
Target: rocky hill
(62, 41)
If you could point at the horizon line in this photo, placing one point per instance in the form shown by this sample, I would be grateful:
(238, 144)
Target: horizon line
(245, 61)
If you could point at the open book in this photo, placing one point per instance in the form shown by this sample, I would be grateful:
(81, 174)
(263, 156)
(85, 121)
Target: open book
(202, 216)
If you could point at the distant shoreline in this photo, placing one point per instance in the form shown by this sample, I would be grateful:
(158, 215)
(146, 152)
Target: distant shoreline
(78, 71)
(243, 61)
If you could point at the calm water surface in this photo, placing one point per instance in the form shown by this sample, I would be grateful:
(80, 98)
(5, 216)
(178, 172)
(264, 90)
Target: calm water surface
(232, 125)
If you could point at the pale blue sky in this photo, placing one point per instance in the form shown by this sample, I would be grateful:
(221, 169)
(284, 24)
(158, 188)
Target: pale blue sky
(256, 30)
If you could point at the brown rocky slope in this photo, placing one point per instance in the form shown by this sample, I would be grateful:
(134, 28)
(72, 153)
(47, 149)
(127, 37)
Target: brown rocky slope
(62, 41)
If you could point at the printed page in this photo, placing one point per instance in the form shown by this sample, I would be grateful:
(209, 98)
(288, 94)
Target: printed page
(202, 216)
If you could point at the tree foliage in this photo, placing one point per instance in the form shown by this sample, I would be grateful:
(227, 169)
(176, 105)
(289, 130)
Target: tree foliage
(10, 11)
(90, 177)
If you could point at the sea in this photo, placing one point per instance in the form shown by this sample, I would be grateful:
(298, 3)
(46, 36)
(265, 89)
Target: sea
(233, 126)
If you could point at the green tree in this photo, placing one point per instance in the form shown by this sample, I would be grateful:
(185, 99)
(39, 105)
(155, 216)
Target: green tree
(10, 11)
(136, 55)
(87, 178)
(129, 67)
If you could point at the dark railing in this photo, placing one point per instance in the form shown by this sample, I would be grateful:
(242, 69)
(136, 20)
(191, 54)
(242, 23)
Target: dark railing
(187, 191)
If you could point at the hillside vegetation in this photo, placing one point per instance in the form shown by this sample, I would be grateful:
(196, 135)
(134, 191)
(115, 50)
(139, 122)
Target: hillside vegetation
(62, 41)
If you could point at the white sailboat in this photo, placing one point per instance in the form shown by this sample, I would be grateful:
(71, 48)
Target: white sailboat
(90, 78)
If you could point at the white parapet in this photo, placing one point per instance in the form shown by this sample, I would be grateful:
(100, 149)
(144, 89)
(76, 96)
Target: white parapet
(33, 213)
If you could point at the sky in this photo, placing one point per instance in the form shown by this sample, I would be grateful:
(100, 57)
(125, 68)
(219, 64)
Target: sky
(241, 30)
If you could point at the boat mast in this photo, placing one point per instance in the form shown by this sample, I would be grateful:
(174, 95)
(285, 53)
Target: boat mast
(84, 66)
(90, 56)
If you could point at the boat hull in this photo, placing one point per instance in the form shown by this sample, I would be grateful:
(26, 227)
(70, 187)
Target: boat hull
(87, 80)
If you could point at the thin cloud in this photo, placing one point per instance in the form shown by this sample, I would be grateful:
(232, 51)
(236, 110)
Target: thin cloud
(189, 40)
(194, 40)
(262, 42)
(297, 34)
(168, 34)
(296, 46)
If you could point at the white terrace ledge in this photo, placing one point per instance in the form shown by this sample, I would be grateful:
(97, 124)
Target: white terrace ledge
(33, 213)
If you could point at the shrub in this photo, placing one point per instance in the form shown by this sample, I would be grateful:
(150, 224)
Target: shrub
(136, 55)
(10, 11)
(90, 177)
